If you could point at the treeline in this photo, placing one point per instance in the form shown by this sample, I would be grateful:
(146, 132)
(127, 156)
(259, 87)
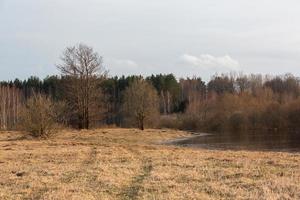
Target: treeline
(84, 96)
(111, 90)
(241, 103)
(226, 102)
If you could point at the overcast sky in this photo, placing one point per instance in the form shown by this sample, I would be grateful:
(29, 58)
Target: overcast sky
(184, 37)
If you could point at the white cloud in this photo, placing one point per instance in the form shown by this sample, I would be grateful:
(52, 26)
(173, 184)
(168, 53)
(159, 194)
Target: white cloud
(121, 66)
(125, 63)
(209, 62)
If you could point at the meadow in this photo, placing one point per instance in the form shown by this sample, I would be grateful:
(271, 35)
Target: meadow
(134, 164)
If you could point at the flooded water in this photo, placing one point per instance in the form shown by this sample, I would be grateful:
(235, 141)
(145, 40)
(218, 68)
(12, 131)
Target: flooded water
(286, 142)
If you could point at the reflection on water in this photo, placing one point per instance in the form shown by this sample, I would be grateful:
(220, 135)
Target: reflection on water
(246, 141)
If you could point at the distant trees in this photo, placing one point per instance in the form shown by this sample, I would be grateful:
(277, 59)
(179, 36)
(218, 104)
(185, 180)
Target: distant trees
(193, 94)
(10, 104)
(113, 90)
(83, 69)
(38, 116)
(169, 91)
(221, 85)
(227, 102)
(286, 87)
(141, 106)
(251, 102)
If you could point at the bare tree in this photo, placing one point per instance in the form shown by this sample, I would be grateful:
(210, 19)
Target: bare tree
(84, 71)
(141, 104)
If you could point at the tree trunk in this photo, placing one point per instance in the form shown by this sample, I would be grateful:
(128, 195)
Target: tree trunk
(142, 125)
(168, 102)
(140, 121)
(164, 102)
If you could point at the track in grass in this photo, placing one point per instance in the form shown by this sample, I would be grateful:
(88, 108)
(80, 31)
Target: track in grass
(131, 192)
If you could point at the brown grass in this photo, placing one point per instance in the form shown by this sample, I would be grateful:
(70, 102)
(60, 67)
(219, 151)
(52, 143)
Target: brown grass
(130, 164)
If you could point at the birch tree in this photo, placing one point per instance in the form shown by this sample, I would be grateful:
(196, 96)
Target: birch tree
(10, 102)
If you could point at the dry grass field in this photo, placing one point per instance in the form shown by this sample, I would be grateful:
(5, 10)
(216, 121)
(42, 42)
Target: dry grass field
(130, 164)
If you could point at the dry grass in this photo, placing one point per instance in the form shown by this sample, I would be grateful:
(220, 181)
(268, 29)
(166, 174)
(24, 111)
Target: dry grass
(129, 164)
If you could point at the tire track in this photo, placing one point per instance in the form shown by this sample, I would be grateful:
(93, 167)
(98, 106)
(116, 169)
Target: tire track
(131, 192)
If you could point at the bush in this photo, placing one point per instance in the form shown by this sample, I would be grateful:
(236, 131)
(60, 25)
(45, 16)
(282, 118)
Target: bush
(237, 122)
(215, 123)
(293, 115)
(181, 122)
(169, 121)
(255, 120)
(273, 118)
(38, 116)
(190, 122)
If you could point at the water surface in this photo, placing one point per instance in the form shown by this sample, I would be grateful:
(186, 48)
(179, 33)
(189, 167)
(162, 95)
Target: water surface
(254, 141)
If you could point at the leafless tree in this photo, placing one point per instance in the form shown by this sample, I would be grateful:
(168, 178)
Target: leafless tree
(83, 69)
(141, 104)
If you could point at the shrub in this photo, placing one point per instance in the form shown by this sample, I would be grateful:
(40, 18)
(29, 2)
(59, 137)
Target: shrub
(254, 120)
(292, 111)
(189, 122)
(216, 123)
(273, 118)
(237, 121)
(169, 121)
(38, 116)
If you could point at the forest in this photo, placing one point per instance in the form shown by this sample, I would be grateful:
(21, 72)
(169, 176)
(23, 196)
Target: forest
(85, 96)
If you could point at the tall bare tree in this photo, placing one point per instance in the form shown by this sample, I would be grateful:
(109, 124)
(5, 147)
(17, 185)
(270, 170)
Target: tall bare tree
(141, 104)
(83, 69)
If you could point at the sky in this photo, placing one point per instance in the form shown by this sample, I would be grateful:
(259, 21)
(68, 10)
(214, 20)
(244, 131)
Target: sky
(183, 37)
